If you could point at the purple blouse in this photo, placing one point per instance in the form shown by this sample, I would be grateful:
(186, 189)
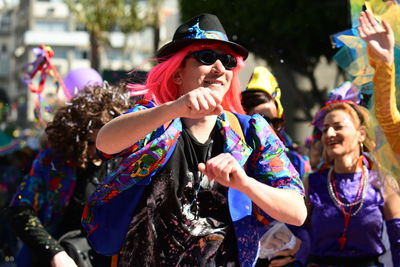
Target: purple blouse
(364, 234)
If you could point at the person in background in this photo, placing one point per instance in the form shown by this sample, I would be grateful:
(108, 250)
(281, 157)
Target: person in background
(349, 198)
(380, 42)
(194, 191)
(262, 96)
(315, 149)
(347, 91)
(13, 166)
(49, 200)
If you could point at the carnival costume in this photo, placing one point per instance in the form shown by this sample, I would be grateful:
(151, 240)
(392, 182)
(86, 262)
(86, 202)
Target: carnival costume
(48, 203)
(388, 116)
(262, 80)
(347, 218)
(386, 111)
(38, 205)
(113, 209)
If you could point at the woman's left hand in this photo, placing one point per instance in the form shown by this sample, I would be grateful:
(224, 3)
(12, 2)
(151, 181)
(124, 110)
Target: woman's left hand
(225, 169)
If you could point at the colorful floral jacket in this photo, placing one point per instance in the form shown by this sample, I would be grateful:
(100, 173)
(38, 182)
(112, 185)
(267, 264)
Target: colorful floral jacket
(47, 189)
(111, 207)
(299, 161)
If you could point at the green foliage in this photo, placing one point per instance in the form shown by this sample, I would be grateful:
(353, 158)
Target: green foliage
(154, 9)
(102, 16)
(129, 20)
(97, 16)
(296, 31)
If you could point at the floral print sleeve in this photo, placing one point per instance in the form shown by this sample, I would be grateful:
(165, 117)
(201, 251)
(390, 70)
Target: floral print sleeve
(141, 105)
(30, 190)
(47, 188)
(269, 163)
(29, 201)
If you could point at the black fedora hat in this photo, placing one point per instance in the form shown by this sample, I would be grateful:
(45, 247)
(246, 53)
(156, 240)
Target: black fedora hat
(200, 28)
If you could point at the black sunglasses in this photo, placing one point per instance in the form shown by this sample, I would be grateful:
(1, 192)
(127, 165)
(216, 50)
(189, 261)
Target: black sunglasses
(208, 57)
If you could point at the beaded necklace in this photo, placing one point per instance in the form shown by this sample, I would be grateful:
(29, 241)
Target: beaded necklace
(359, 200)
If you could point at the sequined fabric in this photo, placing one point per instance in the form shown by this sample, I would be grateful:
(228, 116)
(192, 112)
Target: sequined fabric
(37, 208)
(47, 189)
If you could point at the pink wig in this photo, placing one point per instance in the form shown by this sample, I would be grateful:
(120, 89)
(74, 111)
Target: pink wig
(161, 88)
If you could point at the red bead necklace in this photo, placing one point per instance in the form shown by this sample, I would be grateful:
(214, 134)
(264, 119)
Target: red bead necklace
(342, 206)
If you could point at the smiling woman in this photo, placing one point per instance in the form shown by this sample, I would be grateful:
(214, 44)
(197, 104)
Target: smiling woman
(188, 195)
(349, 197)
(344, 133)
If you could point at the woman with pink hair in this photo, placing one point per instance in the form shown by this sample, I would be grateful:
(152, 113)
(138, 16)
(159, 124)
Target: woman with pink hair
(198, 184)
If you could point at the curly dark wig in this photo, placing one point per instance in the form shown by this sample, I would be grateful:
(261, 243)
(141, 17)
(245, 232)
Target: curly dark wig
(74, 123)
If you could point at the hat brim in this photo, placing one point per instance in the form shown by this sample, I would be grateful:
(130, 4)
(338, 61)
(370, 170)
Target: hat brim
(172, 47)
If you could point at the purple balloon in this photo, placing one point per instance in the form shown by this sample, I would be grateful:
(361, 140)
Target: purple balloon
(77, 79)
